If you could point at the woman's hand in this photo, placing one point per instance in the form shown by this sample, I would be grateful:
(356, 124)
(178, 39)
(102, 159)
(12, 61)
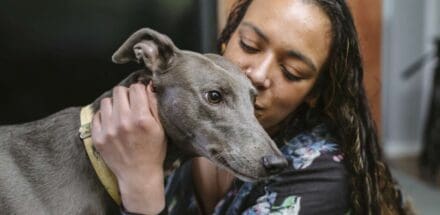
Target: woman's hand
(128, 135)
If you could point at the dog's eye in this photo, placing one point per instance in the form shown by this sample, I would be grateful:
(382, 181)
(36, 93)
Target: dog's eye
(214, 97)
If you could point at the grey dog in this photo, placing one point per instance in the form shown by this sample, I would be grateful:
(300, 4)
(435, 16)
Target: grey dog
(205, 106)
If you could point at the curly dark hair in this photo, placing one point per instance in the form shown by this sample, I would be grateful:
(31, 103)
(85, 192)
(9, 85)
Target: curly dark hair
(342, 105)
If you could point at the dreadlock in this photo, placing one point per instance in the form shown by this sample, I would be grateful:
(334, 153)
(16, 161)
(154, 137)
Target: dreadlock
(342, 105)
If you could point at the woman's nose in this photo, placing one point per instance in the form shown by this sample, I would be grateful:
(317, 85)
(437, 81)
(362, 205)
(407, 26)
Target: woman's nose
(258, 73)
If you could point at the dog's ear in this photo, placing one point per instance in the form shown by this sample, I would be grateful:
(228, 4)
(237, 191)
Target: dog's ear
(152, 48)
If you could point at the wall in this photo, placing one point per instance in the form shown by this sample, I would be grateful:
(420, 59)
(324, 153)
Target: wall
(368, 20)
(408, 29)
(57, 54)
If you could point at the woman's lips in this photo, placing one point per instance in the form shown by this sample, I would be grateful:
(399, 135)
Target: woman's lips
(258, 111)
(258, 107)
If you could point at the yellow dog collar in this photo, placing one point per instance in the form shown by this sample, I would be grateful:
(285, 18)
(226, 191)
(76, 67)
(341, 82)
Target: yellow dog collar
(105, 175)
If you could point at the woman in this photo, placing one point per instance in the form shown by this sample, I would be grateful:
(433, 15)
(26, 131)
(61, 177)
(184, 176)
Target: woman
(303, 57)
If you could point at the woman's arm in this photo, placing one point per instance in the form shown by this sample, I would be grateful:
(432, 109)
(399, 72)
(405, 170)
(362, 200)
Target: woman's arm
(128, 135)
(210, 182)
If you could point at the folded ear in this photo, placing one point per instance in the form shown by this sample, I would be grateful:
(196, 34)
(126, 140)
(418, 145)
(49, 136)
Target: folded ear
(152, 48)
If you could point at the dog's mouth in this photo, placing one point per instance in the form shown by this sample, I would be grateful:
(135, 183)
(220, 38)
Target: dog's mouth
(217, 158)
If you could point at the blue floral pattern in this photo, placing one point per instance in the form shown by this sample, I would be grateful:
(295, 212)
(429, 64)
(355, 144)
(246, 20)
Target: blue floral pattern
(266, 205)
(305, 148)
(301, 152)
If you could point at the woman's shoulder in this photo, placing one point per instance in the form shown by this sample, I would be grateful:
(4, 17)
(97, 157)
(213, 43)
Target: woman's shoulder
(316, 145)
(314, 159)
(315, 182)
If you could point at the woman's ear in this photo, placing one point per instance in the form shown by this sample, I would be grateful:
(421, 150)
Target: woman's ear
(152, 48)
(223, 48)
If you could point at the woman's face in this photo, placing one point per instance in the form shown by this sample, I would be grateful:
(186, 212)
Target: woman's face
(281, 45)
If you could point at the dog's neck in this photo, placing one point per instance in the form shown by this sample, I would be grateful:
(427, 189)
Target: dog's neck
(174, 157)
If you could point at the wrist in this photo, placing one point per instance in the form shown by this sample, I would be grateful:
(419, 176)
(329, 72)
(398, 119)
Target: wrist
(143, 195)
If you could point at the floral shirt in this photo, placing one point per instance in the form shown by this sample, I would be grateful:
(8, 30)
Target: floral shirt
(314, 183)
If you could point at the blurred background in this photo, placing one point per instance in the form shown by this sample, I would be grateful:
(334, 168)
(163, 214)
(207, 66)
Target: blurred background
(410, 96)
(56, 54)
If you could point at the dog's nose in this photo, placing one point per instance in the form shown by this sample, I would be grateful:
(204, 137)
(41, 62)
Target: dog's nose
(274, 164)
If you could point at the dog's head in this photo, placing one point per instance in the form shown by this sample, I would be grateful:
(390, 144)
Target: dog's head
(206, 105)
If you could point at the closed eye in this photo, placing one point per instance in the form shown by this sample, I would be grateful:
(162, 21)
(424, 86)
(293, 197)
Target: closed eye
(247, 48)
(289, 75)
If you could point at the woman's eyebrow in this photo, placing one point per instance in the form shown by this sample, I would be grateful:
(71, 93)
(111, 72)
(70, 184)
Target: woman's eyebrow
(257, 31)
(298, 55)
(291, 53)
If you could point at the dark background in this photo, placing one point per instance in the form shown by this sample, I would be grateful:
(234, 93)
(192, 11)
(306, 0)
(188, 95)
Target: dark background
(57, 53)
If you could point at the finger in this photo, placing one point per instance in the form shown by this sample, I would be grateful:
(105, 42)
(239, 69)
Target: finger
(152, 102)
(138, 100)
(96, 122)
(96, 126)
(121, 105)
(106, 110)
